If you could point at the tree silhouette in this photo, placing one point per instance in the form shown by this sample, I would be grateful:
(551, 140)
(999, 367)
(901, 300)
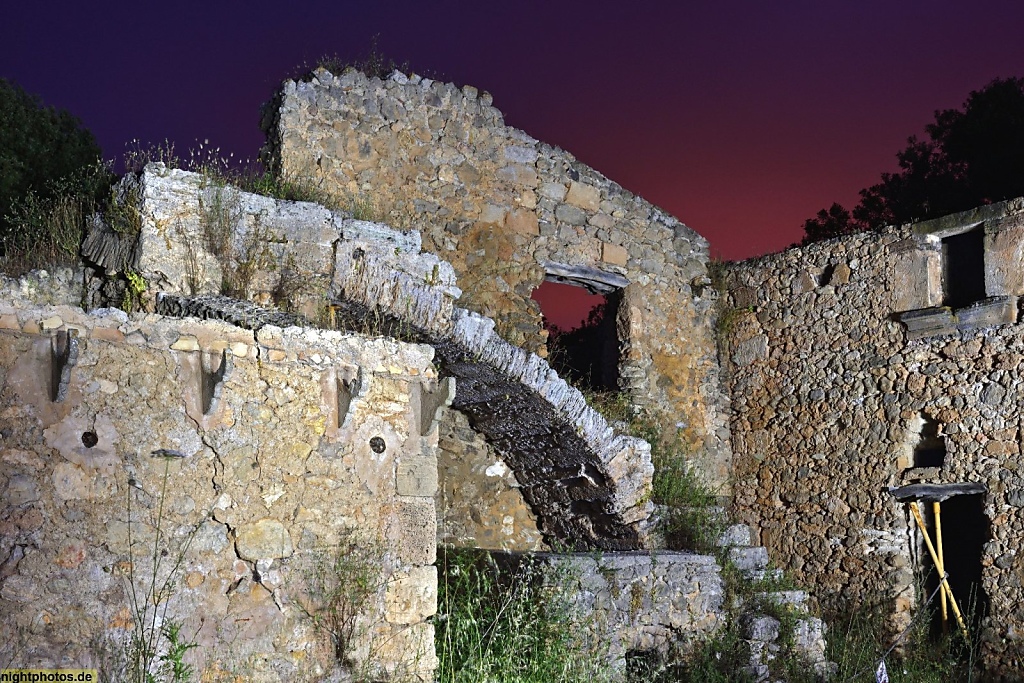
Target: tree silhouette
(588, 354)
(39, 146)
(972, 156)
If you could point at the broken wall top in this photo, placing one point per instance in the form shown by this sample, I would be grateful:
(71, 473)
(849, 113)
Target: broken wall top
(505, 209)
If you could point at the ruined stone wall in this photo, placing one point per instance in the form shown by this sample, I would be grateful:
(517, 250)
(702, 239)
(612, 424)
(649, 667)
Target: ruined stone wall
(644, 602)
(508, 211)
(479, 504)
(281, 445)
(587, 485)
(830, 391)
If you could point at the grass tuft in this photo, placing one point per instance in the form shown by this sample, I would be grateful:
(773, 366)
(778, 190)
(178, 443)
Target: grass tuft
(502, 627)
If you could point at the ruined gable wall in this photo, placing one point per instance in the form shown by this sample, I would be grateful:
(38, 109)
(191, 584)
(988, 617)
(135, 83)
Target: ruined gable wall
(826, 388)
(506, 210)
(281, 465)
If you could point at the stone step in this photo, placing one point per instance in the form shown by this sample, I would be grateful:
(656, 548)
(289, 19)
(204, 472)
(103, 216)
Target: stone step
(755, 672)
(749, 559)
(735, 535)
(809, 638)
(765, 575)
(795, 599)
(761, 627)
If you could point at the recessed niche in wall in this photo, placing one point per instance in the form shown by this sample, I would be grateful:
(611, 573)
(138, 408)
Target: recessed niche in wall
(825, 278)
(925, 446)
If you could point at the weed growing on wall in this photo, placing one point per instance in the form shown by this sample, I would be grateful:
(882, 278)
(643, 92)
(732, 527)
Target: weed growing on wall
(374, 63)
(135, 287)
(516, 627)
(340, 583)
(690, 518)
(241, 252)
(156, 647)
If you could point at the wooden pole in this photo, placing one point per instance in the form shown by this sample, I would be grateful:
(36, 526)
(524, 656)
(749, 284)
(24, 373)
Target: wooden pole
(942, 580)
(941, 566)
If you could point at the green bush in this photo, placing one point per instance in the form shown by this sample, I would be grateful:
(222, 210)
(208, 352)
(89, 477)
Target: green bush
(50, 173)
(44, 228)
(690, 519)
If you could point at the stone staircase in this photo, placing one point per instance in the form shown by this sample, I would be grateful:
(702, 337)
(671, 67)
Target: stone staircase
(762, 633)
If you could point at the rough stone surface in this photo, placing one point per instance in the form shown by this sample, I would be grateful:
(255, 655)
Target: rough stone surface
(587, 485)
(826, 418)
(504, 209)
(480, 504)
(252, 489)
(644, 602)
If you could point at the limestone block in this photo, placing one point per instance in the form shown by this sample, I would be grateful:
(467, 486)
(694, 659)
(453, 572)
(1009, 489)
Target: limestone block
(567, 213)
(520, 155)
(264, 539)
(417, 475)
(186, 343)
(412, 531)
(411, 596)
(408, 652)
(614, 254)
(21, 489)
(19, 588)
(522, 222)
(586, 197)
(52, 323)
(751, 350)
(552, 190)
(763, 628)
(1004, 257)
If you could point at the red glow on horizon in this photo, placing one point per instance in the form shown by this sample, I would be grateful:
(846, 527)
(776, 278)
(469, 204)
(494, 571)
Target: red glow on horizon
(565, 306)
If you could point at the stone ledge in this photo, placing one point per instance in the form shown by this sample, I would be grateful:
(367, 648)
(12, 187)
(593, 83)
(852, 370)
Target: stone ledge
(941, 320)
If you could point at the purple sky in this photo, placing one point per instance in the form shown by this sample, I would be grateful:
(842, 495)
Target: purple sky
(741, 118)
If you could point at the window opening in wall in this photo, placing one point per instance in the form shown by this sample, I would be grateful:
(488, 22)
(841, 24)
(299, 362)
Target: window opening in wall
(583, 345)
(930, 450)
(963, 269)
(965, 530)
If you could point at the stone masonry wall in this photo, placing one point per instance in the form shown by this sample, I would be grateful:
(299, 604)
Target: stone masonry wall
(508, 211)
(281, 444)
(830, 392)
(645, 602)
(587, 485)
(479, 504)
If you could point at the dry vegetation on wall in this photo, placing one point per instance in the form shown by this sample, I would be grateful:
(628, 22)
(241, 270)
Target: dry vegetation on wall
(689, 518)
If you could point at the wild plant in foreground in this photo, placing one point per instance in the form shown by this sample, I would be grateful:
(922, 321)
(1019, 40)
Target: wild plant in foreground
(515, 626)
(156, 646)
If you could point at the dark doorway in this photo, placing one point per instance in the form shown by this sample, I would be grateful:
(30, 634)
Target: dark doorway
(963, 271)
(965, 529)
(587, 354)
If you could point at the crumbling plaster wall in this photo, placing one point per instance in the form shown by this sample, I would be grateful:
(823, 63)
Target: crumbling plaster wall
(826, 388)
(507, 211)
(276, 471)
